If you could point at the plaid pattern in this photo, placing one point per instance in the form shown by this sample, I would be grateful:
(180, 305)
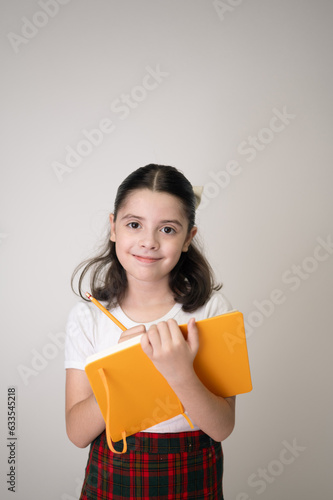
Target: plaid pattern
(185, 465)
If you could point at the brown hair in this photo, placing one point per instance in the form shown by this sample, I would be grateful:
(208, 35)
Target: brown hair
(191, 280)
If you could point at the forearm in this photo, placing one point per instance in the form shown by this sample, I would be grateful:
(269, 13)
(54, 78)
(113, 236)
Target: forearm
(213, 414)
(173, 357)
(84, 422)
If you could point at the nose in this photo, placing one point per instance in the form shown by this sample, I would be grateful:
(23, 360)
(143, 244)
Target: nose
(149, 240)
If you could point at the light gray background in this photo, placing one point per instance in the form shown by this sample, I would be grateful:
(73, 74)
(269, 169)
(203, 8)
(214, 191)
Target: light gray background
(224, 72)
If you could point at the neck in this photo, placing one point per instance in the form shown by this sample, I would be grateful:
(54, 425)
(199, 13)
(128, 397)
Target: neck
(148, 293)
(146, 301)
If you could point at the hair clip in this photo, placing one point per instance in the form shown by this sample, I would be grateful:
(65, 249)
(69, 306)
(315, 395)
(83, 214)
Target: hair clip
(197, 193)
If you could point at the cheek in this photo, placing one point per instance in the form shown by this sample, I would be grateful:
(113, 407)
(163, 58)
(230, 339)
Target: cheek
(121, 255)
(123, 246)
(175, 250)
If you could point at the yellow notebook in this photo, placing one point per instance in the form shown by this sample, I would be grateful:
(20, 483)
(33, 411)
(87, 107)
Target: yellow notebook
(133, 395)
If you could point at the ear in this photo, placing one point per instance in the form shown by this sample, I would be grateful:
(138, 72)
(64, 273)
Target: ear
(189, 238)
(113, 228)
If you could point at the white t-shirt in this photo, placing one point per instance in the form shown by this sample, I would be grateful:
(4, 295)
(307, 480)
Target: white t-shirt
(90, 331)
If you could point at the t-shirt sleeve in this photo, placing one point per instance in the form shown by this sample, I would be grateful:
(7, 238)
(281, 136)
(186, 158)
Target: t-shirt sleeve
(217, 304)
(79, 342)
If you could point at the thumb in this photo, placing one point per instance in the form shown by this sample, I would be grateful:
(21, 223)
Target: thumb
(146, 346)
(193, 336)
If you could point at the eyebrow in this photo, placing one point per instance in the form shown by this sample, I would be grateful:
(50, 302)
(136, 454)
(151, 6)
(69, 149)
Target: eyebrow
(168, 221)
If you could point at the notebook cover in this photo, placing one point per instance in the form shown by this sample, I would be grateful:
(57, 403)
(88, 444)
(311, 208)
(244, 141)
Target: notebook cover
(141, 397)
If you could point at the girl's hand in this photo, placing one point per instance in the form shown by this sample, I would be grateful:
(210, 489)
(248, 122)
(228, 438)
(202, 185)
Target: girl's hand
(171, 354)
(132, 332)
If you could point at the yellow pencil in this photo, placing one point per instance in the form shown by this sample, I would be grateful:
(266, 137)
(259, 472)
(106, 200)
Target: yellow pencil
(105, 311)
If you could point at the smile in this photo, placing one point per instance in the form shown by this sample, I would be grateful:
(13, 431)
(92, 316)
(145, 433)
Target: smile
(146, 260)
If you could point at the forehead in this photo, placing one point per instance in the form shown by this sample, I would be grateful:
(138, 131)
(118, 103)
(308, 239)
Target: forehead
(143, 202)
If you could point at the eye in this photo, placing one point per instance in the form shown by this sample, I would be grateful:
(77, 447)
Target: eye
(168, 230)
(133, 225)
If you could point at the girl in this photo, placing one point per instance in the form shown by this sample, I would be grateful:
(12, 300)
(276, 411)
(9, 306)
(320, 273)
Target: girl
(152, 277)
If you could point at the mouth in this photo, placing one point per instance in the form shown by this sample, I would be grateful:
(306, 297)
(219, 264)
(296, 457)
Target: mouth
(146, 260)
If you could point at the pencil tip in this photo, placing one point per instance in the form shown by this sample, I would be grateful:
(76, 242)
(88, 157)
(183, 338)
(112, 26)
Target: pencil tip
(88, 295)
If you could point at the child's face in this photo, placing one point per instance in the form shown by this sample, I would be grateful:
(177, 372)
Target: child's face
(150, 232)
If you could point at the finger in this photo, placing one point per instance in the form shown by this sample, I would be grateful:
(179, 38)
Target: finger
(175, 331)
(165, 334)
(128, 336)
(146, 345)
(154, 338)
(193, 335)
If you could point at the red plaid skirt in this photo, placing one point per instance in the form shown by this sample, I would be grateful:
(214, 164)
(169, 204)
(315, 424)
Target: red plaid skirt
(167, 466)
